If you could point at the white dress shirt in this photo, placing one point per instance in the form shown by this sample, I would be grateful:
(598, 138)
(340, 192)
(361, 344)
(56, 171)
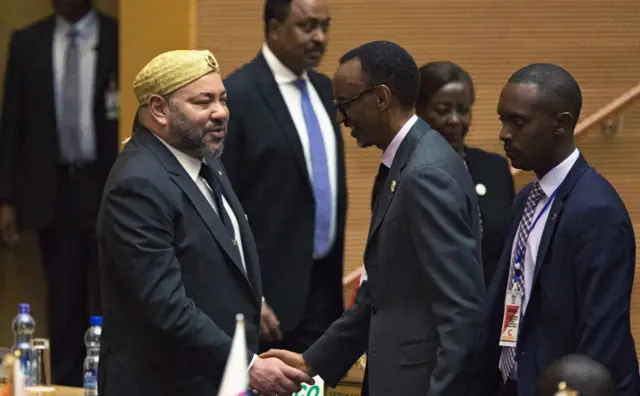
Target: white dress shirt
(86, 42)
(192, 167)
(549, 184)
(285, 80)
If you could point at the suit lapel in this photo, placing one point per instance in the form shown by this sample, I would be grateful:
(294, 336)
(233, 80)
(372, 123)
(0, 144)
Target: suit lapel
(103, 47)
(46, 59)
(554, 213)
(193, 193)
(389, 188)
(248, 242)
(273, 98)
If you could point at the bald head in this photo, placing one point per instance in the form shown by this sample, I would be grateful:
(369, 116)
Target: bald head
(580, 373)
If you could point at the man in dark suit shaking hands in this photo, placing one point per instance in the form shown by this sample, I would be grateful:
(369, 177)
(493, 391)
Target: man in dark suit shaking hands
(417, 314)
(177, 256)
(563, 285)
(58, 140)
(285, 159)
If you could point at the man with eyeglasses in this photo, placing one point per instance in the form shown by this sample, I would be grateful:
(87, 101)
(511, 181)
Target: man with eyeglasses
(285, 158)
(417, 314)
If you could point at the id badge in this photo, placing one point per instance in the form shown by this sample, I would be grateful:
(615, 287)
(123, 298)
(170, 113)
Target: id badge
(112, 100)
(511, 319)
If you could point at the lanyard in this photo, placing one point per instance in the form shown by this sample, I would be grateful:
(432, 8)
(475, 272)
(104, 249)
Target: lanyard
(519, 260)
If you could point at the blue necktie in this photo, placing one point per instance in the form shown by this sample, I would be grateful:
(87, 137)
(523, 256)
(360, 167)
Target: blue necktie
(320, 175)
(69, 128)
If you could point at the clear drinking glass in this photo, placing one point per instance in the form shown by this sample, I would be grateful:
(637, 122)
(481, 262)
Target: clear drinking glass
(42, 362)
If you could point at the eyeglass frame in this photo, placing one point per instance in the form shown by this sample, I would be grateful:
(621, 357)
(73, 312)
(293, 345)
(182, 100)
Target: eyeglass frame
(340, 103)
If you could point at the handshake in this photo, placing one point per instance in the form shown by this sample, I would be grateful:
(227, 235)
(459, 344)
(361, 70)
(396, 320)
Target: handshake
(278, 372)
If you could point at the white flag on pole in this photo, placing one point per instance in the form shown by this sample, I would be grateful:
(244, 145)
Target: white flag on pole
(235, 380)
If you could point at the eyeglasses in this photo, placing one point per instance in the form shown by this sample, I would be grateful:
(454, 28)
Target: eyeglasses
(340, 103)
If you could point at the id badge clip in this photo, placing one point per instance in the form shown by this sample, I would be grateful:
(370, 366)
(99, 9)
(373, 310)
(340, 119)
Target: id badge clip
(112, 99)
(511, 317)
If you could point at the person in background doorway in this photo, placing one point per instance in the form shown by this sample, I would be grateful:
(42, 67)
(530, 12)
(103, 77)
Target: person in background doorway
(285, 159)
(58, 140)
(445, 101)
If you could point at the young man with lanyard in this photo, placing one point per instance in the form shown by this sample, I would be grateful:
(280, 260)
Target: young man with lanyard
(563, 284)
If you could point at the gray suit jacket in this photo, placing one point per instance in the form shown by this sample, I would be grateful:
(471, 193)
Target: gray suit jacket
(418, 313)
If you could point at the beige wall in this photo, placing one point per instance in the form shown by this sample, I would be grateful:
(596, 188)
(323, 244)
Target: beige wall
(21, 277)
(148, 28)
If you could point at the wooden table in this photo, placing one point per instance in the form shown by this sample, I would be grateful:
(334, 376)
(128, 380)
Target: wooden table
(349, 386)
(66, 391)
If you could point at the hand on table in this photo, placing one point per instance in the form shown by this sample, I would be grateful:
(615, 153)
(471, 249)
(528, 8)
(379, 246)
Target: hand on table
(269, 324)
(271, 376)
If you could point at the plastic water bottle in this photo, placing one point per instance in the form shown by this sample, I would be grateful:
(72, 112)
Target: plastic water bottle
(92, 343)
(23, 328)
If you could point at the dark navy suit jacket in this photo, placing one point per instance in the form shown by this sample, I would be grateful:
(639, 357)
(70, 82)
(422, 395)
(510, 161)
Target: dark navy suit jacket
(581, 291)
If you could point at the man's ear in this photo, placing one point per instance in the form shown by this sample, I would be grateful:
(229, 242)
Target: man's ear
(273, 29)
(159, 109)
(565, 123)
(383, 97)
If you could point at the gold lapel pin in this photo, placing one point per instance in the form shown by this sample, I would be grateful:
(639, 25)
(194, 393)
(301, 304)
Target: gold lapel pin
(393, 185)
(564, 390)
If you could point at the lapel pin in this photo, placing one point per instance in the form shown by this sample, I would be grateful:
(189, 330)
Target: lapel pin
(553, 218)
(481, 189)
(220, 172)
(393, 185)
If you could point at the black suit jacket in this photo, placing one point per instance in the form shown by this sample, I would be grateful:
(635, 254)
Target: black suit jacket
(493, 172)
(172, 280)
(417, 314)
(267, 169)
(580, 296)
(29, 164)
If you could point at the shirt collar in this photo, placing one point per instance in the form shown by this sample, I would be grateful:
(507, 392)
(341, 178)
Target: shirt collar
(85, 26)
(554, 178)
(190, 164)
(281, 73)
(389, 154)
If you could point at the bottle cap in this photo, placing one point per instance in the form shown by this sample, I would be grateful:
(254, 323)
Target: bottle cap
(96, 321)
(24, 308)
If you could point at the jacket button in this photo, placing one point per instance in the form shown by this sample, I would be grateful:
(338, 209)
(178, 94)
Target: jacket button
(374, 310)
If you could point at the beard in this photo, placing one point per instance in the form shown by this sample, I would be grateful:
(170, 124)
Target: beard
(188, 137)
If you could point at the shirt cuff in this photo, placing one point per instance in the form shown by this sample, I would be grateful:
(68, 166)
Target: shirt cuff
(253, 360)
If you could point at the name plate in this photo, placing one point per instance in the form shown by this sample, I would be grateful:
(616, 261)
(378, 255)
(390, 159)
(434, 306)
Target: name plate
(316, 389)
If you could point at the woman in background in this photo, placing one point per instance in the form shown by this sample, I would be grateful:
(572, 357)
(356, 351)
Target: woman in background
(445, 101)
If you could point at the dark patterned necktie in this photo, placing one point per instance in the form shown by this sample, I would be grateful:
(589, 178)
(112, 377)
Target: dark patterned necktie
(381, 177)
(207, 174)
(508, 355)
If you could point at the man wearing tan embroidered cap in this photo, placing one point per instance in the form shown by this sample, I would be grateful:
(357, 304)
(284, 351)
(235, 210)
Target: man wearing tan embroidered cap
(177, 257)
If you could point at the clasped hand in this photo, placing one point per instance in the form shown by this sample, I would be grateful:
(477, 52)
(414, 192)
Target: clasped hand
(277, 372)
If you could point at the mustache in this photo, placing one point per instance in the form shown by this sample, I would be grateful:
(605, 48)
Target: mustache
(317, 47)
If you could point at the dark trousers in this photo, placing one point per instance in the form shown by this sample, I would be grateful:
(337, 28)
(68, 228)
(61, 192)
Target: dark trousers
(319, 314)
(69, 253)
(510, 388)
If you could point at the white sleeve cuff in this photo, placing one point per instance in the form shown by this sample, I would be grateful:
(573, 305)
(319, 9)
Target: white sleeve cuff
(253, 360)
